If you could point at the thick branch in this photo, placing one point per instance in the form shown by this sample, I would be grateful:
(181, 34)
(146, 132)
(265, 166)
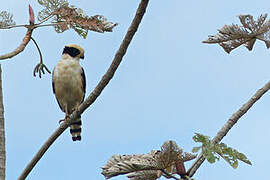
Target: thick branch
(229, 124)
(21, 47)
(96, 92)
(2, 133)
(117, 58)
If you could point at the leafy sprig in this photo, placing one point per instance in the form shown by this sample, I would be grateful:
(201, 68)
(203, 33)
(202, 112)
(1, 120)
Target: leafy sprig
(213, 152)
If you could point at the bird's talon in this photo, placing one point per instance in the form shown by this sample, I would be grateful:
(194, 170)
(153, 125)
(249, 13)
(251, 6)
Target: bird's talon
(60, 121)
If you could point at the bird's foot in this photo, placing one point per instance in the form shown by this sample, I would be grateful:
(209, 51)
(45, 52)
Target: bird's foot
(61, 120)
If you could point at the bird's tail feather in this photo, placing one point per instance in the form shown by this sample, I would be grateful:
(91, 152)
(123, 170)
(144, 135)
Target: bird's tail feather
(75, 129)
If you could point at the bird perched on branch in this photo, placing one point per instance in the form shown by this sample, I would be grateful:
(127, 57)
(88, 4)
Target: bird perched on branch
(68, 81)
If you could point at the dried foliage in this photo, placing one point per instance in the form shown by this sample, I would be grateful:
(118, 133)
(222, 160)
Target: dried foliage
(232, 36)
(213, 152)
(144, 175)
(70, 17)
(6, 19)
(147, 166)
(49, 7)
(123, 164)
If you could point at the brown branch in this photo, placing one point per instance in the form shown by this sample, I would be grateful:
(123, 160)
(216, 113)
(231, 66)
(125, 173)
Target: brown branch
(96, 92)
(27, 36)
(33, 26)
(51, 24)
(168, 175)
(46, 19)
(25, 40)
(2, 133)
(14, 26)
(229, 124)
(21, 47)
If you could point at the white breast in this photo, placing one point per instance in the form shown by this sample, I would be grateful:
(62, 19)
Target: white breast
(68, 83)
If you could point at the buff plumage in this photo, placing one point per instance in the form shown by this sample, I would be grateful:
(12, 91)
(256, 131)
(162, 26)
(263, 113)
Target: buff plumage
(69, 84)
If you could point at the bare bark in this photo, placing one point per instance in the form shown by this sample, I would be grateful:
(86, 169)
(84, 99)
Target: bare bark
(2, 134)
(21, 47)
(229, 124)
(96, 92)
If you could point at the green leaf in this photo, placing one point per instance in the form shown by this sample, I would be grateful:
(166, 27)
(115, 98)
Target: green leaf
(216, 148)
(209, 156)
(82, 32)
(213, 152)
(196, 149)
(201, 138)
(235, 164)
(243, 158)
(40, 2)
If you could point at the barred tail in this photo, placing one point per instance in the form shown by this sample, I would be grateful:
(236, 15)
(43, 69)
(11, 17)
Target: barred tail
(75, 129)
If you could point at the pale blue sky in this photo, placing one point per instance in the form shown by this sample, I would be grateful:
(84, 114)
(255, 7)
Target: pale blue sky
(169, 86)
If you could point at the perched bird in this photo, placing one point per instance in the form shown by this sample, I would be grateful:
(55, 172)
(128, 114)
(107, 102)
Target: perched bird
(68, 82)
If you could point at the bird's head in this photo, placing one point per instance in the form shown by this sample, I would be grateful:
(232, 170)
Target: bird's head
(74, 50)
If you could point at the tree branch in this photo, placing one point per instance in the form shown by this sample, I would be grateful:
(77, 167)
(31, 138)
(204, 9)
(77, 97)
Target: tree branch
(2, 133)
(46, 19)
(21, 47)
(229, 124)
(96, 92)
(168, 175)
(14, 26)
(33, 26)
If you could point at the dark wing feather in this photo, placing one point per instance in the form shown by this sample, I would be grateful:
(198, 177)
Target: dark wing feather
(54, 93)
(60, 105)
(83, 83)
(53, 83)
(53, 88)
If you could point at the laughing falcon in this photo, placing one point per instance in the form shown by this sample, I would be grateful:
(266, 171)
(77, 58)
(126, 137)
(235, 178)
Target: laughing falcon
(68, 82)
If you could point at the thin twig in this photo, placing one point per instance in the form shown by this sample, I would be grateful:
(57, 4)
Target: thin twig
(51, 24)
(21, 47)
(96, 92)
(14, 26)
(33, 26)
(26, 38)
(229, 124)
(46, 18)
(168, 175)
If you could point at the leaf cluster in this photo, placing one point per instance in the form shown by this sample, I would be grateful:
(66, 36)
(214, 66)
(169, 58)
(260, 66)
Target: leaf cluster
(232, 36)
(49, 7)
(147, 166)
(70, 17)
(6, 19)
(213, 152)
